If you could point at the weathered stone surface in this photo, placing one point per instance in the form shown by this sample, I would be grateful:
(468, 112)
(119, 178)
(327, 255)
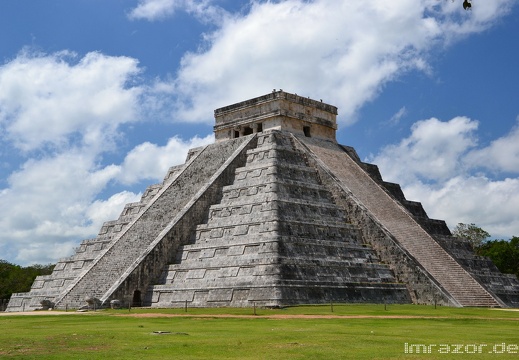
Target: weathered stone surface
(276, 111)
(276, 238)
(274, 213)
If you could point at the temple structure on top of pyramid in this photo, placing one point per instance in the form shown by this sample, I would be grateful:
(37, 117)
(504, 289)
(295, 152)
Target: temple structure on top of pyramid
(274, 213)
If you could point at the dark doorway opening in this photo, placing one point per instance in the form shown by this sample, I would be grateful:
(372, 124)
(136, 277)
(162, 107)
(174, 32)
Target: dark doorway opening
(136, 301)
(247, 131)
(306, 130)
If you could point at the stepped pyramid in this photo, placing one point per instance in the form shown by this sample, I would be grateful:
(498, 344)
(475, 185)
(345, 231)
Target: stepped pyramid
(274, 213)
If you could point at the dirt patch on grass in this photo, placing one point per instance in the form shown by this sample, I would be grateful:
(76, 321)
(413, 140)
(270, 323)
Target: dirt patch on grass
(245, 316)
(49, 312)
(282, 316)
(273, 316)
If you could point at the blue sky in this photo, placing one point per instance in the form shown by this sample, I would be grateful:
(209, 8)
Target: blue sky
(99, 98)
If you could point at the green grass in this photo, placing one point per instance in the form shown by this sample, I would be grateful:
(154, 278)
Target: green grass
(201, 334)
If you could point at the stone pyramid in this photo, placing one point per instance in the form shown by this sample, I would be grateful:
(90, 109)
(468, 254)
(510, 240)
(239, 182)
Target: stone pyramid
(274, 213)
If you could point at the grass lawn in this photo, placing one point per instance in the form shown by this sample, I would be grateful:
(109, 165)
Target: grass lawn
(305, 332)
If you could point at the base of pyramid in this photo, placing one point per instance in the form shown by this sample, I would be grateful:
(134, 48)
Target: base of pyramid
(279, 295)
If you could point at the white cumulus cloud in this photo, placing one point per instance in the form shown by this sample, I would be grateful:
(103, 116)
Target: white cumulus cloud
(433, 151)
(438, 164)
(341, 51)
(150, 161)
(153, 10)
(46, 201)
(501, 155)
(47, 99)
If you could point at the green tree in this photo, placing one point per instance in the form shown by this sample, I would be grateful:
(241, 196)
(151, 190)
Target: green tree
(474, 234)
(14, 278)
(504, 254)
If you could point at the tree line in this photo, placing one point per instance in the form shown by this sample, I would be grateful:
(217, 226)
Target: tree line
(503, 253)
(15, 278)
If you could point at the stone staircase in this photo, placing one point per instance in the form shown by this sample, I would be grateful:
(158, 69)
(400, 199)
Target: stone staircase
(503, 286)
(110, 270)
(419, 244)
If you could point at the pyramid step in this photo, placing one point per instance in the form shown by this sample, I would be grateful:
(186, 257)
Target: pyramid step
(346, 248)
(273, 185)
(150, 192)
(260, 155)
(304, 229)
(172, 172)
(269, 191)
(224, 209)
(273, 167)
(247, 179)
(282, 209)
